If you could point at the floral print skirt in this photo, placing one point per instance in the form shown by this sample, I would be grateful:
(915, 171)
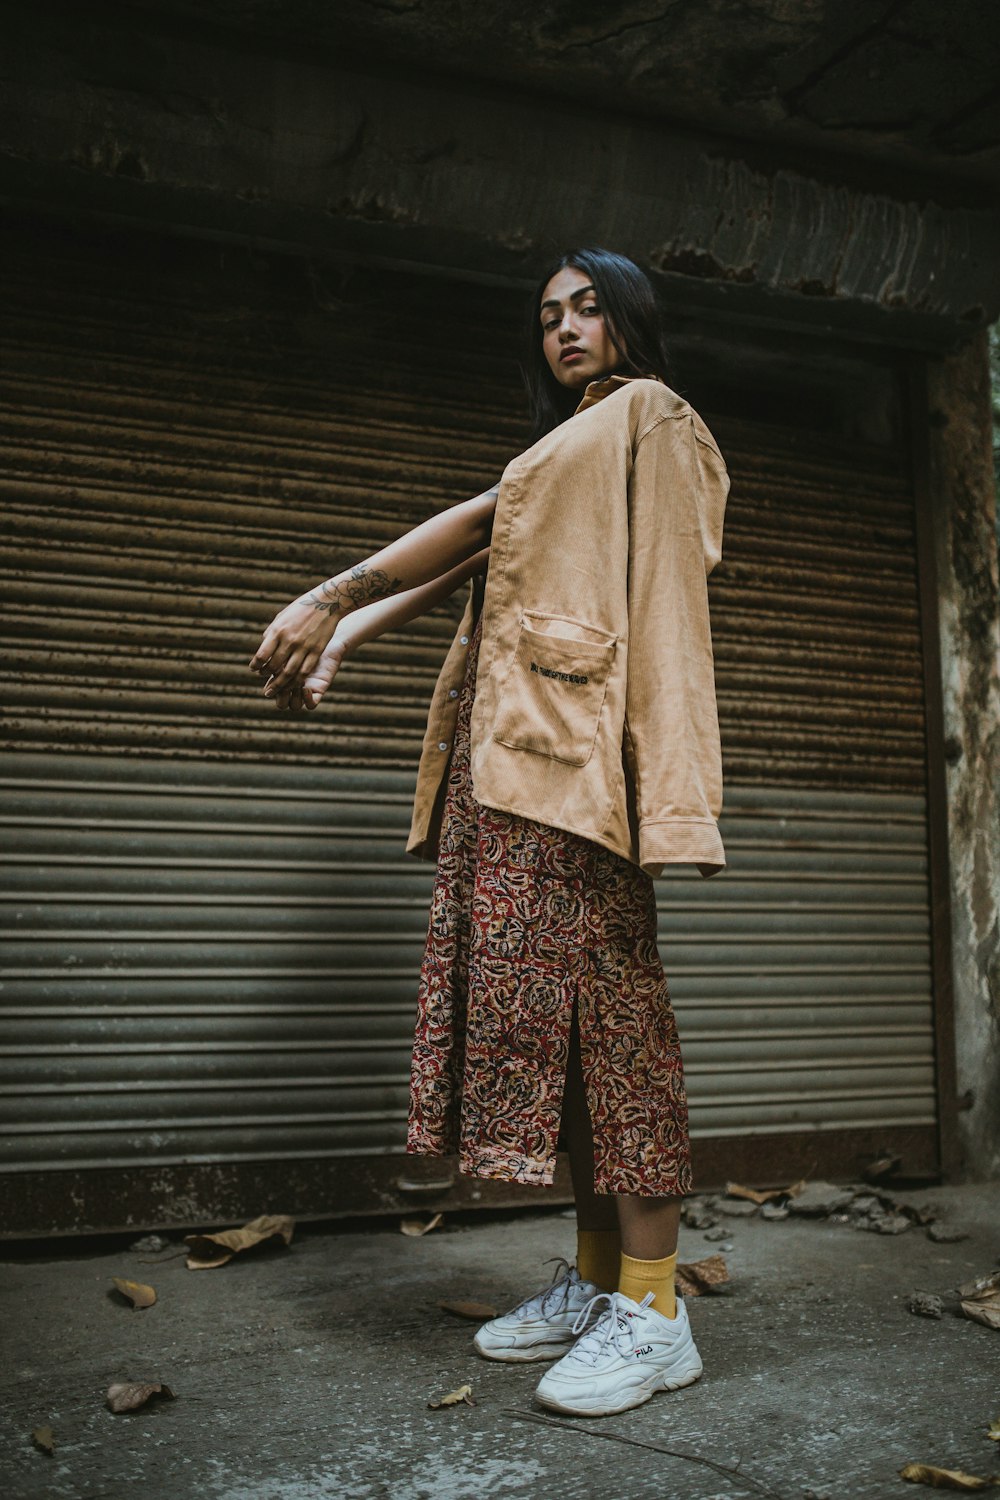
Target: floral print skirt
(527, 924)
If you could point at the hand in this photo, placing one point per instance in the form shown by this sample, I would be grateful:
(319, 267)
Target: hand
(308, 692)
(294, 642)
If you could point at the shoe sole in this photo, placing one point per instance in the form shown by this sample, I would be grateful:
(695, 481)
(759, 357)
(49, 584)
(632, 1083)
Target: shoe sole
(640, 1397)
(524, 1356)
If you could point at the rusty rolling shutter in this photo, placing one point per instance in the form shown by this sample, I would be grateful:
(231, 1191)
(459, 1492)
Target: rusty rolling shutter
(190, 439)
(206, 963)
(803, 976)
(213, 931)
(206, 966)
(191, 436)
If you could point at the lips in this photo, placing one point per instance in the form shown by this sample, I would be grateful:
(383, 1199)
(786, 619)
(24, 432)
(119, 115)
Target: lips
(571, 353)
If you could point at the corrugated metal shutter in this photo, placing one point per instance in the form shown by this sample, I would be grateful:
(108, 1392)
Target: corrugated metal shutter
(188, 443)
(210, 965)
(214, 931)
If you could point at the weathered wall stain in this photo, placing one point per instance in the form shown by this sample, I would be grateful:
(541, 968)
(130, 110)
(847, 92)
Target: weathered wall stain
(964, 501)
(215, 140)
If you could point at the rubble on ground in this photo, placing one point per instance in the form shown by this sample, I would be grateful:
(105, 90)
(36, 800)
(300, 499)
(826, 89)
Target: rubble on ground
(892, 1224)
(945, 1234)
(737, 1208)
(698, 1213)
(820, 1199)
(857, 1205)
(150, 1244)
(926, 1305)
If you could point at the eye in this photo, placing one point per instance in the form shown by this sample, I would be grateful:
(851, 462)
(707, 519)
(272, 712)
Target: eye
(592, 308)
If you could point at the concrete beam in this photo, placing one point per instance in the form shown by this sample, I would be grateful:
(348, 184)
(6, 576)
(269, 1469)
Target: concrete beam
(961, 500)
(132, 122)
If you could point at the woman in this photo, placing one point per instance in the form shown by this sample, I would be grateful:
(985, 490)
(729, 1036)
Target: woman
(572, 751)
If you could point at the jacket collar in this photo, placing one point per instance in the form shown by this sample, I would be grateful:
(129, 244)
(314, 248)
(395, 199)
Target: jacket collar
(598, 389)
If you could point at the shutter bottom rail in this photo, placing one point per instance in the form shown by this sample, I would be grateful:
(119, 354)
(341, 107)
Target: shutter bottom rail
(132, 1200)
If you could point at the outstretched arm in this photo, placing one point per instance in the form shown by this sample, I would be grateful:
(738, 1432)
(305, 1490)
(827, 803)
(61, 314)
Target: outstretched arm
(368, 622)
(296, 638)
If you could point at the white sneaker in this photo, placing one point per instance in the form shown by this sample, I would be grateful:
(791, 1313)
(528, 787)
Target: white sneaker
(543, 1326)
(622, 1359)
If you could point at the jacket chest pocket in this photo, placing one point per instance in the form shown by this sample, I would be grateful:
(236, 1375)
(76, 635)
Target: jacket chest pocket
(554, 689)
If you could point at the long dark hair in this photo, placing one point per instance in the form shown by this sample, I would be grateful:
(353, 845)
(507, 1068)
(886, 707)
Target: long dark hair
(632, 317)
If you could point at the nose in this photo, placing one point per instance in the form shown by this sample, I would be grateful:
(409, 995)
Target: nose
(567, 328)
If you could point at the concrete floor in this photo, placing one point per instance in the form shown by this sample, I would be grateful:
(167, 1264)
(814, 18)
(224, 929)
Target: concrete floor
(305, 1373)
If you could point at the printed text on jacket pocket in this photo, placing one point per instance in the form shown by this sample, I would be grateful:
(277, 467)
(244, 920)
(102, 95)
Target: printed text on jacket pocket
(562, 676)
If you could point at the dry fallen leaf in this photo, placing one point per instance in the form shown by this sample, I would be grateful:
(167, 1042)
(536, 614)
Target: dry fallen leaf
(994, 1432)
(128, 1397)
(454, 1398)
(137, 1292)
(416, 1227)
(981, 1299)
(756, 1195)
(475, 1311)
(698, 1276)
(980, 1286)
(984, 1312)
(44, 1438)
(946, 1479)
(737, 1190)
(210, 1250)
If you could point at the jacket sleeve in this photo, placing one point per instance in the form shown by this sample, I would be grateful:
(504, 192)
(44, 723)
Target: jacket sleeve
(677, 497)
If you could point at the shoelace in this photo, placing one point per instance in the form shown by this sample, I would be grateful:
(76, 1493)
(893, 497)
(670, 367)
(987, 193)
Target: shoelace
(614, 1323)
(558, 1293)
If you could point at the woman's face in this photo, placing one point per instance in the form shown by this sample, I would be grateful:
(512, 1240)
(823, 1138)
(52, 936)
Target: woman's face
(575, 340)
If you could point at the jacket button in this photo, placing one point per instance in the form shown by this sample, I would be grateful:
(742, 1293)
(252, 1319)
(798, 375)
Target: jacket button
(442, 744)
(453, 693)
(465, 640)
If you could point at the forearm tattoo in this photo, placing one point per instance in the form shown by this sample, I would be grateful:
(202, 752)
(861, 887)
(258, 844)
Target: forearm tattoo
(366, 585)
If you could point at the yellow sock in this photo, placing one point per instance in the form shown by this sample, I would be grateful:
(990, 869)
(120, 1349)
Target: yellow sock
(637, 1277)
(598, 1252)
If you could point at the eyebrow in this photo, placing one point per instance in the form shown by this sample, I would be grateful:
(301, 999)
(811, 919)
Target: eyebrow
(554, 301)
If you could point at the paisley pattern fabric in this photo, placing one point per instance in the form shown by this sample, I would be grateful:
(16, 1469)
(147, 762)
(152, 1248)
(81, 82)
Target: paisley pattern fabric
(527, 922)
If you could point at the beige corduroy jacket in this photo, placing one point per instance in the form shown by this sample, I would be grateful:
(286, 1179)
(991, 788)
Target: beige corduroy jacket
(595, 705)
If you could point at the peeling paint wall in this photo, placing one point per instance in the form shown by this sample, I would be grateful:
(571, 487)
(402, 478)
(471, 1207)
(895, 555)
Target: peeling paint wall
(964, 502)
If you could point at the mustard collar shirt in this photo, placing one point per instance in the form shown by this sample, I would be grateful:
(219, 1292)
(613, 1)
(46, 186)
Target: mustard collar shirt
(595, 707)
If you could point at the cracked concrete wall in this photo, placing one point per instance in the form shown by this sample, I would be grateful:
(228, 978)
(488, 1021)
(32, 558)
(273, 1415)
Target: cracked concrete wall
(147, 124)
(906, 84)
(963, 500)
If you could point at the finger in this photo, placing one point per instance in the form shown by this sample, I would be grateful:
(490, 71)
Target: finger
(299, 664)
(290, 697)
(281, 675)
(277, 691)
(316, 684)
(264, 652)
(271, 651)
